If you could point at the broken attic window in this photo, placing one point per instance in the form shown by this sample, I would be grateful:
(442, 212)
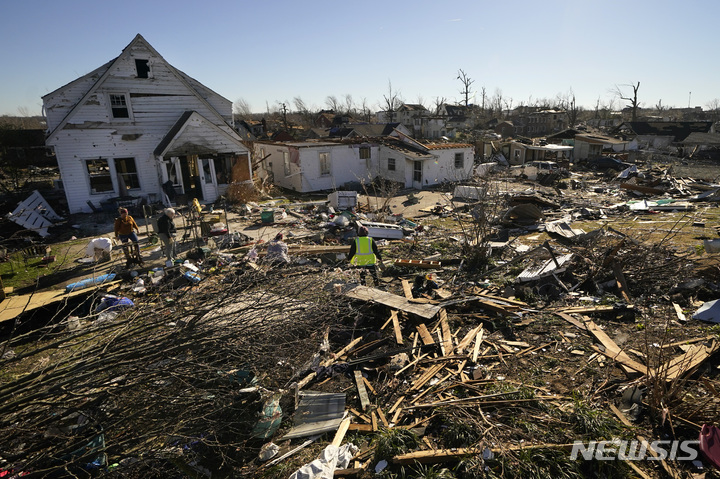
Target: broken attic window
(118, 104)
(127, 174)
(99, 173)
(364, 152)
(391, 164)
(459, 160)
(142, 68)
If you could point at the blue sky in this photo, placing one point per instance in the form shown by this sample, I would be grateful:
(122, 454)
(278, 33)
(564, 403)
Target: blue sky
(268, 51)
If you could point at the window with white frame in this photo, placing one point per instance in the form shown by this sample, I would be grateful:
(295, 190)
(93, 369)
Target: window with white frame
(99, 174)
(459, 160)
(127, 175)
(119, 105)
(324, 164)
(391, 164)
(286, 162)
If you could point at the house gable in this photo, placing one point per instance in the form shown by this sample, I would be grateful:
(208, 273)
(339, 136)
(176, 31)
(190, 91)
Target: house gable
(144, 97)
(193, 134)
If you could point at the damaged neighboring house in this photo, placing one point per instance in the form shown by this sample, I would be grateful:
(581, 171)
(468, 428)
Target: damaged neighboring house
(662, 134)
(137, 127)
(589, 146)
(329, 164)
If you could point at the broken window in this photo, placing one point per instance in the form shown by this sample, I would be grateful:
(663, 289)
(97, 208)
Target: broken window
(119, 106)
(364, 152)
(391, 164)
(142, 67)
(127, 175)
(286, 162)
(417, 171)
(324, 164)
(459, 160)
(99, 174)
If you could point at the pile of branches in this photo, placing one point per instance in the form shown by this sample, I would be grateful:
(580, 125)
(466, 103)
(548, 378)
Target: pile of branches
(157, 391)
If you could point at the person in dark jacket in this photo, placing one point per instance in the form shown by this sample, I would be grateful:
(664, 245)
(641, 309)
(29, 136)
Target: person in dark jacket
(167, 232)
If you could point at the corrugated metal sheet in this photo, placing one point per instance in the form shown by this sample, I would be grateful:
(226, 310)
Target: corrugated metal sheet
(317, 413)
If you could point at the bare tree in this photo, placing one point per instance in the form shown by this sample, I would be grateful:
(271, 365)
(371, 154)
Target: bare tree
(332, 103)
(391, 102)
(365, 110)
(483, 96)
(496, 102)
(241, 108)
(349, 104)
(660, 107)
(466, 84)
(634, 103)
(714, 107)
(439, 102)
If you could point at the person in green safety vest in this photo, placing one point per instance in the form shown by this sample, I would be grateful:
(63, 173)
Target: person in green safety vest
(364, 254)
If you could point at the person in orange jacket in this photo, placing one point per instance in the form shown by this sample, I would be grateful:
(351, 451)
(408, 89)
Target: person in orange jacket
(125, 228)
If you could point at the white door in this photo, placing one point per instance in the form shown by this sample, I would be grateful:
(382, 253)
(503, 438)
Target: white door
(208, 180)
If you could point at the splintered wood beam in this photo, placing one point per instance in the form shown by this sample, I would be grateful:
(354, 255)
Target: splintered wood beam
(687, 362)
(342, 430)
(432, 371)
(382, 417)
(446, 336)
(407, 289)
(478, 341)
(621, 282)
(396, 327)
(363, 293)
(613, 351)
(465, 342)
(362, 392)
(425, 335)
(328, 362)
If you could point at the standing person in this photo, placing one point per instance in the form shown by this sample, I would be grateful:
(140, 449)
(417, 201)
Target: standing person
(125, 228)
(277, 251)
(364, 253)
(167, 232)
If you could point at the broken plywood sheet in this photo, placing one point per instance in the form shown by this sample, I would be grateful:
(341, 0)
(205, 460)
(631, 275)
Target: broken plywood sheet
(363, 293)
(548, 268)
(562, 228)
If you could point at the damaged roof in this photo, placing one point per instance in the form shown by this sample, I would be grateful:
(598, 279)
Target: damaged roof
(679, 130)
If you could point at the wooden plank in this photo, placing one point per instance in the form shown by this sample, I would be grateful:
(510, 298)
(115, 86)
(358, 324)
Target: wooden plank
(469, 337)
(407, 289)
(478, 341)
(396, 416)
(382, 417)
(425, 335)
(446, 345)
(443, 455)
(418, 263)
(360, 415)
(362, 392)
(369, 386)
(397, 403)
(432, 371)
(373, 419)
(363, 293)
(613, 351)
(642, 189)
(328, 362)
(571, 320)
(679, 312)
(360, 428)
(396, 327)
(342, 430)
(687, 362)
(621, 282)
